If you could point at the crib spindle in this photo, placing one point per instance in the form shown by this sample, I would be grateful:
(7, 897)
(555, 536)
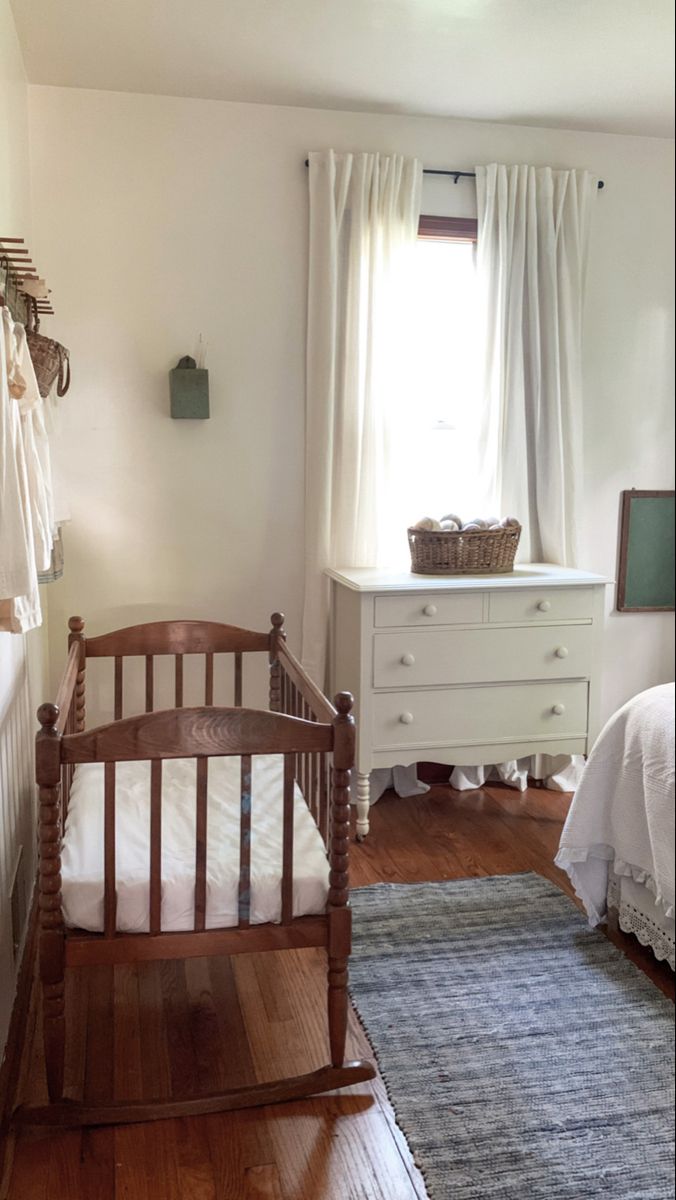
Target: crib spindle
(324, 799)
(295, 712)
(209, 679)
(109, 893)
(314, 786)
(76, 634)
(277, 637)
(238, 680)
(307, 758)
(287, 843)
(156, 845)
(68, 771)
(179, 680)
(150, 682)
(201, 844)
(245, 843)
(118, 687)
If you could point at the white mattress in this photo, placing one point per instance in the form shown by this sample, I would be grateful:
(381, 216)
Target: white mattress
(82, 853)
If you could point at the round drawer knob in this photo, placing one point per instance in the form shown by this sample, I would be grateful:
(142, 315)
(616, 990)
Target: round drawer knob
(408, 659)
(430, 610)
(561, 652)
(544, 606)
(406, 718)
(558, 709)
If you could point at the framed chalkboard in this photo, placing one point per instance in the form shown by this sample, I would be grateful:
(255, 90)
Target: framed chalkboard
(645, 575)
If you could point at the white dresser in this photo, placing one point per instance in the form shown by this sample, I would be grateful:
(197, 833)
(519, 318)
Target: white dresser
(466, 669)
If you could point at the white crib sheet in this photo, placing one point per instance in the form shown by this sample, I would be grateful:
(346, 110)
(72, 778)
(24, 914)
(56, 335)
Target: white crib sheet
(82, 853)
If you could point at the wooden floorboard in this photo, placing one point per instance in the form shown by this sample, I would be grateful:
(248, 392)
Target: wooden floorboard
(204, 1024)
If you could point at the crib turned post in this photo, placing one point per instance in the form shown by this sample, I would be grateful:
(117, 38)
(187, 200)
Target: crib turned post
(51, 946)
(339, 913)
(76, 634)
(277, 635)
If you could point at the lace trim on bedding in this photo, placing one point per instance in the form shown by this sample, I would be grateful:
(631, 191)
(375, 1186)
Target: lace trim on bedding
(620, 867)
(632, 920)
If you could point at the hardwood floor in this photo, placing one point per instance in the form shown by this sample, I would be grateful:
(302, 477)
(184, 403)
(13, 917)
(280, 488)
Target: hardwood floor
(211, 1023)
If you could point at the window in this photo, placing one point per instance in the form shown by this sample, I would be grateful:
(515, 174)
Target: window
(444, 432)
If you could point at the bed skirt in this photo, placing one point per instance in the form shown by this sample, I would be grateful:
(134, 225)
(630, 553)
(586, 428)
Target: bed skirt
(638, 913)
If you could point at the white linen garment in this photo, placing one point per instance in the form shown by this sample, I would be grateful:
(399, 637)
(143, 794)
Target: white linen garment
(36, 450)
(364, 212)
(15, 535)
(533, 233)
(19, 597)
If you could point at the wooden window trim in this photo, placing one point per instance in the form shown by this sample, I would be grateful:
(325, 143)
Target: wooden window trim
(448, 229)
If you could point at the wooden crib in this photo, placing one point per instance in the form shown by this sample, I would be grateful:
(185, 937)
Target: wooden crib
(317, 742)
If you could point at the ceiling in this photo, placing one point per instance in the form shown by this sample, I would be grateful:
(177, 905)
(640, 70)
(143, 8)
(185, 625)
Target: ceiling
(603, 65)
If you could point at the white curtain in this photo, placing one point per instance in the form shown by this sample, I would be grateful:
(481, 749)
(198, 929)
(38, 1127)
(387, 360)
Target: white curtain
(364, 211)
(531, 260)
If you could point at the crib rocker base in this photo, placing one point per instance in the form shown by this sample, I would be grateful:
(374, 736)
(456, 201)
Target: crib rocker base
(70, 1114)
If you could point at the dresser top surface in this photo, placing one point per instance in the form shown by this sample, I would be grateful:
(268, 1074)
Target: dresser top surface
(524, 575)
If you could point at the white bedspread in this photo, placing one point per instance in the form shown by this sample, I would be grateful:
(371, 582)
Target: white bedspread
(622, 814)
(82, 855)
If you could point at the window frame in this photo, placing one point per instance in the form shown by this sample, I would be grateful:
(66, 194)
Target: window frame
(448, 229)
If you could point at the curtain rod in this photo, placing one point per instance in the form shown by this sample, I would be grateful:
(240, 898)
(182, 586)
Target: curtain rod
(456, 175)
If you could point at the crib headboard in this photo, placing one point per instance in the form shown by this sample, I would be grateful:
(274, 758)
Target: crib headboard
(173, 638)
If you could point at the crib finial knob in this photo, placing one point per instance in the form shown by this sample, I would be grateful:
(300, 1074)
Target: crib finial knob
(75, 624)
(48, 715)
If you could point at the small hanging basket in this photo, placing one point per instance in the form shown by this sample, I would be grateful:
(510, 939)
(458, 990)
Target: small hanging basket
(50, 359)
(478, 552)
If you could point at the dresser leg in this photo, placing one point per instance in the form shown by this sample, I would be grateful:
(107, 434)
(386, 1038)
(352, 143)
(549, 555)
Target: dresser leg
(363, 805)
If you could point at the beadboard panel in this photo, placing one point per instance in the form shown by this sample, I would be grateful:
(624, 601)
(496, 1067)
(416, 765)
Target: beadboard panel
(21, 660)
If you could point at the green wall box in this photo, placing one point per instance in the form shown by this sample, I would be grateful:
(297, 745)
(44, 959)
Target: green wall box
(189, 391)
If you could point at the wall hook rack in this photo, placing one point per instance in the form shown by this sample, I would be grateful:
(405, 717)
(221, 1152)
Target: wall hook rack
(16, 269)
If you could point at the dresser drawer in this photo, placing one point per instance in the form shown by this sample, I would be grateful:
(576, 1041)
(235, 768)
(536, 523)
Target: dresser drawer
(465, 716)
(425, 658)
(542, 604)
(429, 608)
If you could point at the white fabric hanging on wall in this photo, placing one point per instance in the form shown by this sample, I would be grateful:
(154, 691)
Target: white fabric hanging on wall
(36, 451)
(364, 212)
(19, 596)
(15, 531)
(531, 260)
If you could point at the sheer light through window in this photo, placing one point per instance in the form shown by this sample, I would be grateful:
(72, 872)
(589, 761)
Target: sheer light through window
(444, 470)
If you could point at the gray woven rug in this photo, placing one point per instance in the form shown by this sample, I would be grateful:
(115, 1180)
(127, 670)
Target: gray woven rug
(525, 1057)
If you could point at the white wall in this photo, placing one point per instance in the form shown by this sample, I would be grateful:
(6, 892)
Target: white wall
(159, 218)
(21, 658)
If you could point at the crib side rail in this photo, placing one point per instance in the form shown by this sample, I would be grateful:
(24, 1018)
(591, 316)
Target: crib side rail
(199, 734)
(298, 696)
(66, 693)
(69, 718)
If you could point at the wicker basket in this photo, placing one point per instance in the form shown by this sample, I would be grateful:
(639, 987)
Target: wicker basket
(50, 359)
(479, 552)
